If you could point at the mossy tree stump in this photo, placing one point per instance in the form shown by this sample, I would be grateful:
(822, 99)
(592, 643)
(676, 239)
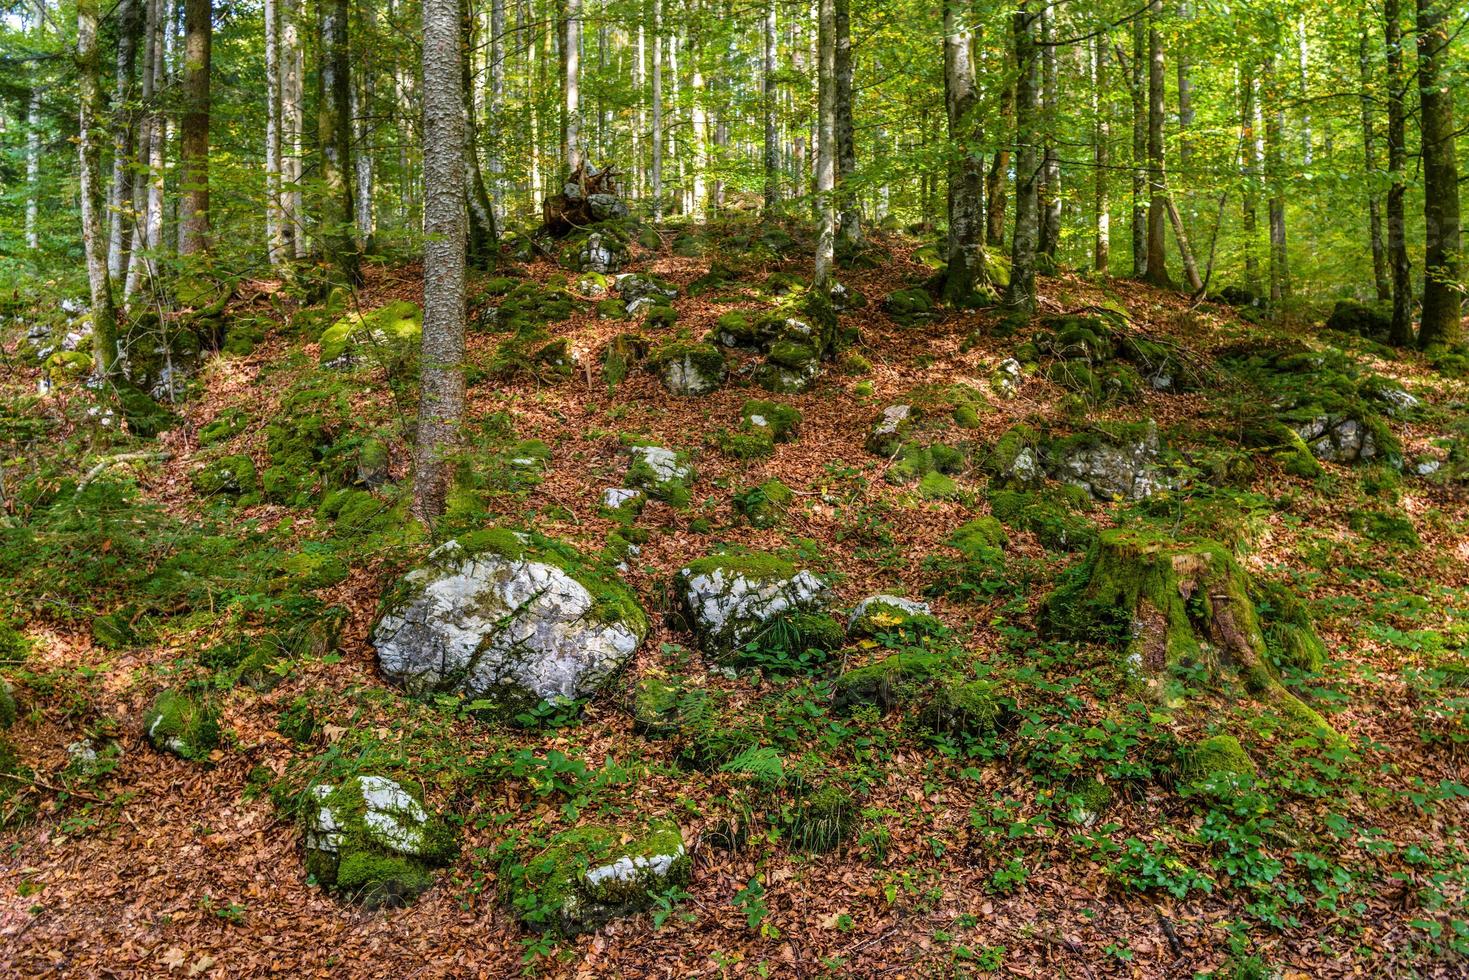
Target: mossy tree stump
(1174, 606)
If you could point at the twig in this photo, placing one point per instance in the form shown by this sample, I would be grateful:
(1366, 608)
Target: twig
(110, 461)
(39, 784)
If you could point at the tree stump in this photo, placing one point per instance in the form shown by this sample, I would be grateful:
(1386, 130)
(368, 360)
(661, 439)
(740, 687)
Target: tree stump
(587, 197)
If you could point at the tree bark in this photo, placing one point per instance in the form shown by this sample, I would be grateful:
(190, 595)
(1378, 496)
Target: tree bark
(698, 122)
(1275, 177)
(1397, 162)
(1157, 273)
(148, 232)
(1250, 147)
(1021, 292)
(120, 197)
(655, 176)
(364, 89)
(1049, 189)
(104, 315)
(194, 129)
(1369, 159)
(1441, 323)
(850, 219)
(1138, 87)
(495, 105)
(772, 135)
(966, 270)
(274, 239)
(997, 180)
(483, 234)
(1102, 252)
(441, 402)
(334, 131)
(293, 122)
(826, 149)
(572, 149)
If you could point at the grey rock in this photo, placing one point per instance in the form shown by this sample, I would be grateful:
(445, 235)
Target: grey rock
(664, 463)
(510, 630)
(1007, 378)
(684, 376)
(1338, 438)
(606, 207)
(634, 286)
(910, 606)
(891, 429)
(391, 818)
(1114, 470)
(727, 604)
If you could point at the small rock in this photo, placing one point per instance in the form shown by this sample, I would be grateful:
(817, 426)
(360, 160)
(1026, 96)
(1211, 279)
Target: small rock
(891, 430)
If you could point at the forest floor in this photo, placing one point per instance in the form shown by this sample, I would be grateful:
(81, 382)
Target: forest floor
(1340, 859)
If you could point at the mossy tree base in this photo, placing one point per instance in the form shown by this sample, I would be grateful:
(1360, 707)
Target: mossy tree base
(1176, 607)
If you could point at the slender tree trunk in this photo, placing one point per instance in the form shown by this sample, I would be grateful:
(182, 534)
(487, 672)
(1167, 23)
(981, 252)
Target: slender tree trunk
(441, 402)
(194, 130)
(997, 181)
(120, 198)
(148, 235)
(1102, 253)
(850, 220)
(293, 123)
(33, 168)
(966, 270)
(1397, 162)
(364, 90)
(1275, 176)
(1138, 86)
(699, 122)
(1021, 293)
(826, 148)
(274, 240)
(772, 134)
(1369, 154)
(334, 129)
(104, 315)
(572, 148)
(1157, 189)
(495, 106)
(1250, 147)
(482, 236)
(1049, 189)
(656, 167)
(1441, 323)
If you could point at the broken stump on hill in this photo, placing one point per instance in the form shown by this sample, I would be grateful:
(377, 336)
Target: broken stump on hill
(587, 197)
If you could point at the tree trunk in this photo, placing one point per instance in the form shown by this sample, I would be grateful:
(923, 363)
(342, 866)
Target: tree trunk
(148, 234)
(1275, 177)
(850, 221)
(996, 182)
(1102, 253)
(1369, 159)
(441, 402)
(1397, 162)
(772, 135)
(194, 130)
(293, 122)
(826, 149)
(572, 149)
(1442, 304)
(966, 271)
(274, 239)
(1157, 190)
(334, 129)
(1049, 189)
(482, 233)
(699, 122)
(495, 105)
(1138, 87)
(120, 198)
(1250, 147)
(33, 167)
(1021, 292)
(655, 176)
(363, 91)
(104, 315)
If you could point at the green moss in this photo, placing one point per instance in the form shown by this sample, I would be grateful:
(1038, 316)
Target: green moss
(671, 487)
(553, 890)
(956, 707)
(225, 425)
(1386, 528)
(663, 704)
(1290, 635)
(8, 709)
(182, 724)
(226, 476)
(388, 334)
(822, 820)
(1214, 761)
(1050, 516)
(938, 486)
(380, 880)
(889, 681)
(745, 564)
(880, 617)
(909, 306)
(777, 419)
(764, 505)
(313, 569)
(689, 369)
(979, 539)
(744, 445)
(916, 462)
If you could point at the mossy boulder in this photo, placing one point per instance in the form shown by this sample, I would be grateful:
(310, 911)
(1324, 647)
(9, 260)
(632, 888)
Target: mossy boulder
(960, 708)
(910, 307)
(508, 620)
(662, 473)
(1112, 462)
(183, 724)
(226, 425)
(764, 505)
(641, 285)
(916, 462)
(891, 430)
(689, 369)
(729, 598)
(1055, 518)
(587, 876)
(369, 839)
(880, 614)
(9, 710)
(386, 336)
(892, 680)
(1172, 607)
(1360, 319)
(228, 476)
(1216, 764)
